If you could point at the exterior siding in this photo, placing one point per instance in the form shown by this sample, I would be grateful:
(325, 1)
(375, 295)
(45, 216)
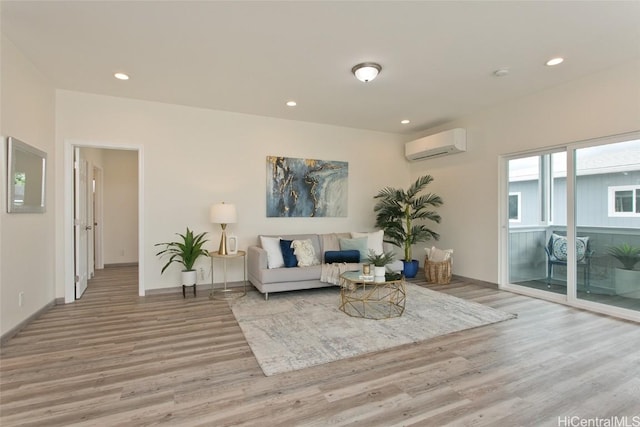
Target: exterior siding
(591, 198)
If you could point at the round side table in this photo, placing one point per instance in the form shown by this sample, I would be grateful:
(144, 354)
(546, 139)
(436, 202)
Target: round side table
(228, 292)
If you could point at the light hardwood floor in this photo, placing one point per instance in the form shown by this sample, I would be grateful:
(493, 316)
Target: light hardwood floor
(116, 359)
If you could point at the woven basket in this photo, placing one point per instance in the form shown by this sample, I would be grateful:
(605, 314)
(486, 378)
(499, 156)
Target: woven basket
(437, 272)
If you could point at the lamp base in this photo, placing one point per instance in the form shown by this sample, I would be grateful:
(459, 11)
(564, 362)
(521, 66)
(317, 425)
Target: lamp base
(222, 250)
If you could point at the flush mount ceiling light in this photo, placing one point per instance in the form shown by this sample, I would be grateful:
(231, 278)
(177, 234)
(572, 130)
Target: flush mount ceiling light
(501, 72)
(366, 71)
(121, 76)
(554, 61)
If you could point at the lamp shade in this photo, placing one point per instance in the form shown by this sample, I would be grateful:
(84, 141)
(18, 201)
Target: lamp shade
(223, 213)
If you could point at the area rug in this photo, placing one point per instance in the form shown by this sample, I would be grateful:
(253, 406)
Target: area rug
(296, 330)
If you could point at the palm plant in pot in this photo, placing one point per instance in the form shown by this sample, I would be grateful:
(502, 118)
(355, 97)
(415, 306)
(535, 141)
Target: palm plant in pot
(185, 252)
(401, 214)
(627, 279)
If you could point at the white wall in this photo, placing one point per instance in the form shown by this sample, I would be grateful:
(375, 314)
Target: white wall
(603, 104)
(194, 157)
(27, 240)
(94, 156)
(120, 202)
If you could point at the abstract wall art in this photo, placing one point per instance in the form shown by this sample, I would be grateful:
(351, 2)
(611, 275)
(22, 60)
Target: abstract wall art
(306, 187)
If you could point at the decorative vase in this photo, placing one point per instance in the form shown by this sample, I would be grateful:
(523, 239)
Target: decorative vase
(410, 268)
(379, 271)
(189, 277)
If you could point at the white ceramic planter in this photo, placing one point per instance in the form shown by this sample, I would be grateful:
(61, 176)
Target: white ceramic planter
(627, 283)
(189, 277)
(379, 271)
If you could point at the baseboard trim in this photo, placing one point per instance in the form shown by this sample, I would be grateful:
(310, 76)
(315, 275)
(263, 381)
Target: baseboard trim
(200, 287)
(477, 281)
(13, 331)
(121, 264)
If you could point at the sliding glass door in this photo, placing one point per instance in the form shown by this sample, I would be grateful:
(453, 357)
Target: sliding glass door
(572, 221)
(607, 194)
(537, 207)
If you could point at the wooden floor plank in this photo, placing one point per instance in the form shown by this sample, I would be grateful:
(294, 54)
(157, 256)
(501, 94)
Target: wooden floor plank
(114, 358)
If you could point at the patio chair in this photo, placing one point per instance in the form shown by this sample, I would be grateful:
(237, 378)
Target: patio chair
(556, 249)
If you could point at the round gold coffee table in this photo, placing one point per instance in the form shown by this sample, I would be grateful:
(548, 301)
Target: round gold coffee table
(361, 296)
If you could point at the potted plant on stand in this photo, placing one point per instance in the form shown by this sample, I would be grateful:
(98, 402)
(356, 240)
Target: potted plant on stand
(627, 279)
(185, 252)
(398, 210)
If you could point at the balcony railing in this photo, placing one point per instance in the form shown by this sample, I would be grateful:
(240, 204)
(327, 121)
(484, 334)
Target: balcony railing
(528, 260)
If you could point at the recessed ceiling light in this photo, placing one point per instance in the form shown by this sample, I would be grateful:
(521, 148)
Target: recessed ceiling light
(121, 76)
(554, 61)
(405, 122)
(291, 103)
(501, 72)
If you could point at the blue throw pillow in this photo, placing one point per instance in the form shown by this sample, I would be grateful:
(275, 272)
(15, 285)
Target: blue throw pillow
(288, 256)
(359, 244)
(342, 256)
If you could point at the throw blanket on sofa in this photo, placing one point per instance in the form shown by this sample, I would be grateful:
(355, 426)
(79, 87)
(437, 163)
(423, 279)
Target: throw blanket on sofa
(331, 272)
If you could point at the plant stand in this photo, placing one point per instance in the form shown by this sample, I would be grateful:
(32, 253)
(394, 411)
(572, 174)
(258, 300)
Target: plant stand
(184, 290)
(189, 279)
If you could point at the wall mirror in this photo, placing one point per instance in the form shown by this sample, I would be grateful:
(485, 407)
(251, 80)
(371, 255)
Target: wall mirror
(26, 173)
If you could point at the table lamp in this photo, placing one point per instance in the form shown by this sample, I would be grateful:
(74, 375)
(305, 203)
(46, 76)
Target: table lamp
(223, 214)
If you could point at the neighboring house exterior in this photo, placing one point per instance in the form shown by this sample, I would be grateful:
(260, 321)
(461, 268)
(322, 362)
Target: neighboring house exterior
(607, 208)
(596, 199)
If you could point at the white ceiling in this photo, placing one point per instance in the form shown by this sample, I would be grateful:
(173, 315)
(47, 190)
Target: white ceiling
(437, 57)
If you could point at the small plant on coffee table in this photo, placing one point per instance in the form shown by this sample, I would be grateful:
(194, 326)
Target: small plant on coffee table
(380, 260)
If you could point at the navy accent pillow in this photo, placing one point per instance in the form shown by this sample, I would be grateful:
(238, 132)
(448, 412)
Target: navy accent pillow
(352, 255)
(289, 257)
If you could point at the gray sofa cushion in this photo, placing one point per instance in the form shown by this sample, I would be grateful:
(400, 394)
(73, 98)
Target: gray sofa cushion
(293, 274)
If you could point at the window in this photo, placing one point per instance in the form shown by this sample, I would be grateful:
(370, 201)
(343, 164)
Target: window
(624, 200)
(514, 207)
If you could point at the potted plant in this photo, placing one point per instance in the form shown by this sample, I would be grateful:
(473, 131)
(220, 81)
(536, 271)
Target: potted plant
(185, 252)
(380, 262)
(627, 280)
(398, 210)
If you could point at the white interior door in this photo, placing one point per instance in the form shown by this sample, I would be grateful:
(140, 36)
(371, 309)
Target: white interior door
(81, 224)
(97, 219)
(90, 222)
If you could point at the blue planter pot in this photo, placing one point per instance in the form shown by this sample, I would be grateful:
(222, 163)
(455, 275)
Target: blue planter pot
(410, 268)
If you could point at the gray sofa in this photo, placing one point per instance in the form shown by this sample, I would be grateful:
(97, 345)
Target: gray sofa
(268, 280)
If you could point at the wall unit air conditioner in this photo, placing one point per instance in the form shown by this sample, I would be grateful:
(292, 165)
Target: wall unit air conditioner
(443, 143)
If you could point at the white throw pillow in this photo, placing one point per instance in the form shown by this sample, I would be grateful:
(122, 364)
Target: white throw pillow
(438, 255)
(374, 240)
(274, 253)
(304, 252)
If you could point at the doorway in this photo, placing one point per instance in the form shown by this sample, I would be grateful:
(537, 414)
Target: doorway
(99, 249)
